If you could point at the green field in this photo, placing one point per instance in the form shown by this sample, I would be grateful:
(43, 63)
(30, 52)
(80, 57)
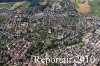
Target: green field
(11, 4)
(7, 4)
(95, 7)
(4, 17)
(25, 4)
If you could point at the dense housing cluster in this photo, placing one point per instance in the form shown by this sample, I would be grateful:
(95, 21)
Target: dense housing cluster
(61, 31)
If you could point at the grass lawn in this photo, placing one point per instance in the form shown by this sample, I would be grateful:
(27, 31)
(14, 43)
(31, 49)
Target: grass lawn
(48, 41)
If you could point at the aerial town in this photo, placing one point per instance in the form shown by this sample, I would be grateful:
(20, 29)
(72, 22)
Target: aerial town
(50, 33)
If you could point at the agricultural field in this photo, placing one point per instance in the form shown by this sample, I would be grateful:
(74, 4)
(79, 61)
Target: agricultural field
(82, 6)
(91, 6)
